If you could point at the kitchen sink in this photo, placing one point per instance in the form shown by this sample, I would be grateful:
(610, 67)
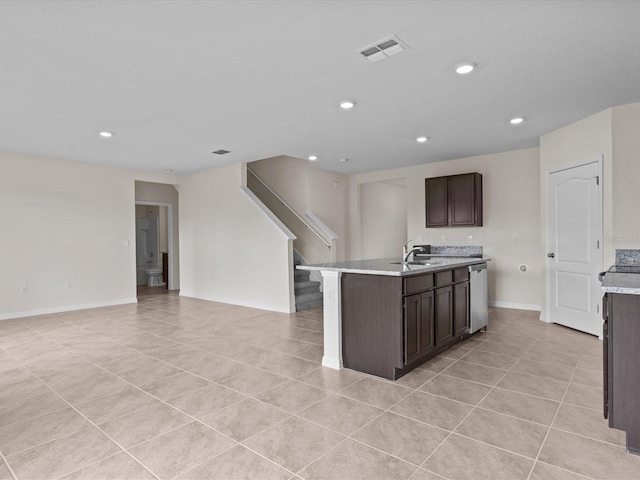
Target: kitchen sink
(416, 263)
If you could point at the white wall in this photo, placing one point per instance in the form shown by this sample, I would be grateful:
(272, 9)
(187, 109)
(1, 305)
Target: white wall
(308, 189)
(64, 221)
(511, 195)
(626, 178)
(383, 219)
(230, 251)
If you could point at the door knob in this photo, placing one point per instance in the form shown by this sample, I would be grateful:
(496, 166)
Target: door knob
(551, 255)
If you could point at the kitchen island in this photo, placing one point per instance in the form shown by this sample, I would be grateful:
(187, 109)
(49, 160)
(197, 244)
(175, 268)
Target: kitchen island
(386, 317)
(621, 346)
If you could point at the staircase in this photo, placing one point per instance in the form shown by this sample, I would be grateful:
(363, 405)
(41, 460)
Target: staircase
(308, 294)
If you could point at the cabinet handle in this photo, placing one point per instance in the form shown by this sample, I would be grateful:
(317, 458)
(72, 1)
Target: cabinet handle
(551, 255)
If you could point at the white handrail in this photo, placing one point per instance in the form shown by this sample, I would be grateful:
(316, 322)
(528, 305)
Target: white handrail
(285, 204)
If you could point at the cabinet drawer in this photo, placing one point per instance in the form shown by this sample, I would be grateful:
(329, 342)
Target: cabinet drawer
(444, 278)
(418, 283)
(460, 275)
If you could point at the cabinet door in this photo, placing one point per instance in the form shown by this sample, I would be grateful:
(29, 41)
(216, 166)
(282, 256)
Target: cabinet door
(427, 341)
(443, 315)
(418, 326)
(462, 197)
(460, 308)
(437, 201)
(412, 320)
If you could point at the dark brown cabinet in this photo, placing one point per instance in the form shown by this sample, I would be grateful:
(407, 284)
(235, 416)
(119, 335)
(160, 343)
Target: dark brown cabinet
(418, 326)
(454, 201)
(444, 315)
(460, 308)
(621, 350)
(391, 325)
(437, 201)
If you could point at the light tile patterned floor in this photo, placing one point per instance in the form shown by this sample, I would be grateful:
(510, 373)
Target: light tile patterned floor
(181, 388)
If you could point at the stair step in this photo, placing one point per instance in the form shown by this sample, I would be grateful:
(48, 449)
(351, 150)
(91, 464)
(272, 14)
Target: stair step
(302, 288)
(306, 306)
(301, 275)
(308, 297)
(308, 300)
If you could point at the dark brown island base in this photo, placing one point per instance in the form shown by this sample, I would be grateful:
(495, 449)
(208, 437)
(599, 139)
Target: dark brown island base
(621, 345)
(391, 325)
(622, 365)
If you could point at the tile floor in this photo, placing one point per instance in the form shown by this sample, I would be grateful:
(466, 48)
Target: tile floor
(180, 388)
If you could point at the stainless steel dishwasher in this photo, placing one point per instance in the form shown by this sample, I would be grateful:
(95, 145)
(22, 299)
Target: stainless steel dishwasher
(478, 297)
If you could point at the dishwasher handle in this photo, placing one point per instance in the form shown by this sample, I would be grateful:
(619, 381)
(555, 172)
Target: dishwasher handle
(477, 267)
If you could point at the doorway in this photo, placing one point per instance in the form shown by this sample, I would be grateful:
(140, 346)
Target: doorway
(574, 254)
(152, 227)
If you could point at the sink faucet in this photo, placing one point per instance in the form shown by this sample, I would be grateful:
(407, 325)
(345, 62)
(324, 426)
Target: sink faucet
(407, 253)
(404, 251)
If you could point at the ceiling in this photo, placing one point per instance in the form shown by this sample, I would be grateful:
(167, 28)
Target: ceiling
(176, 80)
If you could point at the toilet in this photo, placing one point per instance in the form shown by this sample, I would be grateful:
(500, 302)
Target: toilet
(154, 276)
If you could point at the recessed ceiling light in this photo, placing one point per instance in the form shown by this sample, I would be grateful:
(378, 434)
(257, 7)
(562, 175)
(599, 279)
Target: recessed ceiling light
(344, 160)
(516, 120)
(106, 134)
(313, 158)
(421, 139)
(347, 104)
(465, 68)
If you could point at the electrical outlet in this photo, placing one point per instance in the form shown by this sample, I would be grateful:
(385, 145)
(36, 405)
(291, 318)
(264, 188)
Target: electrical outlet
(24, 288)
(442, 239)
(470, 239)
(67, 284)
(514, 238)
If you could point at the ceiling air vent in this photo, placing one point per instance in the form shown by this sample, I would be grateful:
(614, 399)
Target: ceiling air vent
(383, 49)
(221, 152)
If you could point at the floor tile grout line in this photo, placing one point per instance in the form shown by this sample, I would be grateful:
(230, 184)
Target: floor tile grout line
(415, 389)
(93, 424)
(229, 449)
(472, 410)
(149, 439)
(196, 348)
(349, 437)
(91, 464)
(171, 406)
(4, 459)
(388, 410)
(544, 441)
(565, 470)
(160, 360)
(50, 440)
(599, 440)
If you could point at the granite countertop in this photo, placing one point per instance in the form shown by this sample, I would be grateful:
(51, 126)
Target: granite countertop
(624, 276)
(622, 280)
(393, 267)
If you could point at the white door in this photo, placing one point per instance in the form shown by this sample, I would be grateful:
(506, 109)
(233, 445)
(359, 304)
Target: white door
(573, 247)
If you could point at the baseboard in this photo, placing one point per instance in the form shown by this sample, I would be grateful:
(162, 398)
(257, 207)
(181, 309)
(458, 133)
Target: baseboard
(67, 308)
(259, 306)
(517, 306)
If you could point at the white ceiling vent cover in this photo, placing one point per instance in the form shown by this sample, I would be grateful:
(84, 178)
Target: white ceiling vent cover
(383, 49)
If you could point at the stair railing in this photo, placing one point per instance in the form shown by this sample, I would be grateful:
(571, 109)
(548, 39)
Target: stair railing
(306, 224)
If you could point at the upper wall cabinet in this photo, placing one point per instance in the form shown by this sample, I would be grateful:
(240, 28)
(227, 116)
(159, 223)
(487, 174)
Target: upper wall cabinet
(454, 201)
